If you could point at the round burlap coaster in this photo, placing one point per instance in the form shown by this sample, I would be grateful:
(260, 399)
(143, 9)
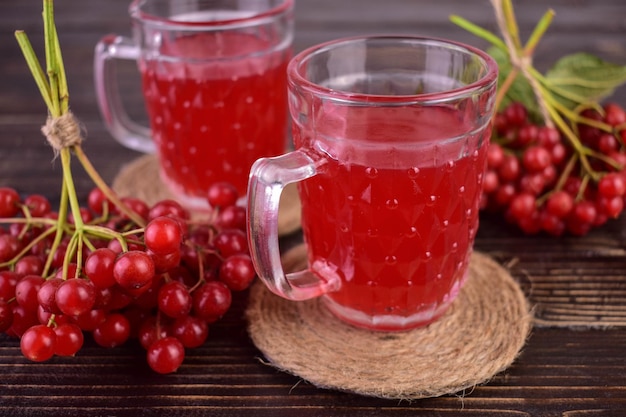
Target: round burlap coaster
(479, 336)
(141, 179)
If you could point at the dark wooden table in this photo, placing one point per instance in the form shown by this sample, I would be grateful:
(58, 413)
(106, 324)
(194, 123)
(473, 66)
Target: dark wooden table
(562, 371)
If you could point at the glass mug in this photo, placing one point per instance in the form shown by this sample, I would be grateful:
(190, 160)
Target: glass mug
(214, 83)
(391, 136)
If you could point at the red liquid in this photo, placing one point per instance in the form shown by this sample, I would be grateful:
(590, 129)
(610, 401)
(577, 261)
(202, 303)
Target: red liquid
(212, 119)
(396, 222)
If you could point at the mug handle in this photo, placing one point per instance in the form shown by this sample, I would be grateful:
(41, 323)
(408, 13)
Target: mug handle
(122, 128)
(268, 178)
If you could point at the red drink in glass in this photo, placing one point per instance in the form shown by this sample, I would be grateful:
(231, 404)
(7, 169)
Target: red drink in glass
(211, 120)
(214, 84)
(398, 228)
(391, 136)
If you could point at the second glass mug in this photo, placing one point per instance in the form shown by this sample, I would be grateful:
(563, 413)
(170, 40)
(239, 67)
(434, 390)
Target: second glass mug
(391, 136)
(214, 83)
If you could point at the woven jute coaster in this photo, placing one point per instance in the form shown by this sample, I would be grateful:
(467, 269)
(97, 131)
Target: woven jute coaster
(479, 336)
(141, 179)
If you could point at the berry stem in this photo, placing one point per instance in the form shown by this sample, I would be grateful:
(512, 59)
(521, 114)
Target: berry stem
(71, 189)
(572, 115)
(108, 192)
(540, 29)
(59, 229)
(478, 31)
(28, 247)
(552, 111)
(505, 86)
(35, 68)
(55, 92)
(98, 250)
(583, 186)
(565, 174)
(507, 23)
(581, 150)
(72, 247)
(521, 58)
(51, 61)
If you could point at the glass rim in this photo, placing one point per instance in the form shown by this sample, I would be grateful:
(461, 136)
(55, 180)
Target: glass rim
(257, 18)
(488, 80)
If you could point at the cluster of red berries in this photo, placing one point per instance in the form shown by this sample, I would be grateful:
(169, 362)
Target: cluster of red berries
(541, 181)
(163, 284)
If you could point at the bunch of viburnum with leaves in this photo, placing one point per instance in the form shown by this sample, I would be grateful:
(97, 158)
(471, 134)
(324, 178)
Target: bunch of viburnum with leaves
(113, 268)
(557, 159)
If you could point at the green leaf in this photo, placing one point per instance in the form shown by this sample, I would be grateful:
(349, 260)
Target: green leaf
(520, 90)
(583, 78)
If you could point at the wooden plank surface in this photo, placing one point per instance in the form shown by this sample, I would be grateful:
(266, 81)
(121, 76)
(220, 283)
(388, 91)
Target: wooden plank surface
(561, 371)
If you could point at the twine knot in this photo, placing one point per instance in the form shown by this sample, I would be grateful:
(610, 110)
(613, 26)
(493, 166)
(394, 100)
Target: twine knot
(62, 131)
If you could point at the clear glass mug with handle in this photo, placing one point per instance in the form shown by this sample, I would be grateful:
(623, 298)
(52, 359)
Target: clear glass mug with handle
(214, 84)
(391, 136)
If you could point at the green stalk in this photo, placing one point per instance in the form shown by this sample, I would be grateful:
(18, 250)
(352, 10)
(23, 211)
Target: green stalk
(74, 244)
(511, 23)
(478, 31)
(60, 228)
(505, 86)
(35, 68)
(52, 84)
(28, 221)
(573, 139)
(538, 32)
(87, 242)
(574, 116)
(79, 255)
(583, 188)
(567, 170)
(102, 232)
(51, 57)
(64, 95)
(583, 83)
(100, 183)
(40, 221)
(71, 189)
(554, 88)
(28, 247)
